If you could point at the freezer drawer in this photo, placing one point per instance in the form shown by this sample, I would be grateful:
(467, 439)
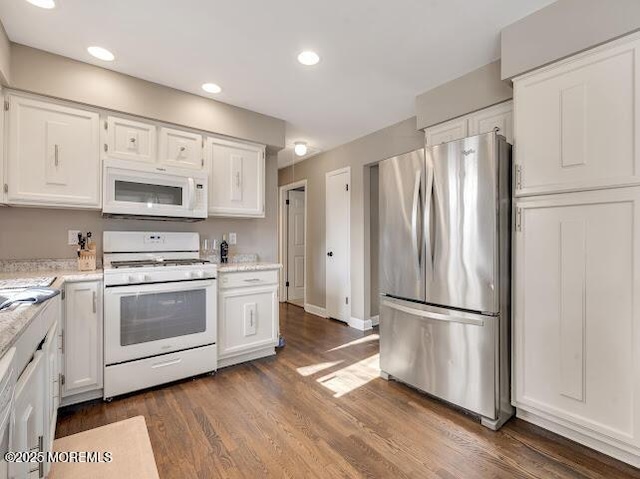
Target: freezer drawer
(446, 353)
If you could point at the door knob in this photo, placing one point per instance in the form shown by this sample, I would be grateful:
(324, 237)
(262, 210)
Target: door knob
(330, 253)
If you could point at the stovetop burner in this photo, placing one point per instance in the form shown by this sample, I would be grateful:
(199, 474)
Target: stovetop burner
(140, 263)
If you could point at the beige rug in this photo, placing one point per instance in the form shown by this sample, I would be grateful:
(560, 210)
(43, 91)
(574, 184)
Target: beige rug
(127, 441)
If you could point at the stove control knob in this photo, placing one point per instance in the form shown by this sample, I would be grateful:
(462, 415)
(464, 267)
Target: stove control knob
(131, 279)
(197, 274)
(145, 278)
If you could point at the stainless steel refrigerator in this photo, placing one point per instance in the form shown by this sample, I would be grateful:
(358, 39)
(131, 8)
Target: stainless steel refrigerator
(445, 215)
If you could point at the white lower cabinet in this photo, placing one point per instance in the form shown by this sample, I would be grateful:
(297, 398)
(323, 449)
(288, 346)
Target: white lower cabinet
(29, 410)
(51, 356)
(36, 394)
(82, 339)
(248, 323)
(577, 318)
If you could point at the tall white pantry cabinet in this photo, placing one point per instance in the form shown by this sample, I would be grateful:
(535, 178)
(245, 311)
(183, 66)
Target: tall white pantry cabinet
(576, 302)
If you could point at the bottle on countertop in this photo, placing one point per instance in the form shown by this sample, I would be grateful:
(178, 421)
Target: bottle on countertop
(224, 250)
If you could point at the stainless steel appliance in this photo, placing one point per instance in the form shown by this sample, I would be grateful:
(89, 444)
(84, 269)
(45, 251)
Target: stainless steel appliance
(445, 215)
(134, 189)
(160, 310)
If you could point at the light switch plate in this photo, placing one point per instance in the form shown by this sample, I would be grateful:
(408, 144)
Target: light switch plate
(232, 238)
(72, 237)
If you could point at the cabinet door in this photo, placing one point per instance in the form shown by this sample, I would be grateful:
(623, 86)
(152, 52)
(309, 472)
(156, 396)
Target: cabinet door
(236, 179)
(487, 120)
(247, 320)
(577, 326)
(181, 148)
(130, 140)
(576, 124)
(445, 132)
(53, 157)
(51, 389)
(3, 181)
(82, 338)
(28, 433)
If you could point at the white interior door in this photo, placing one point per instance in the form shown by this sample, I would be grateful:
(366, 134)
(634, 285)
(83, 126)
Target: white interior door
(337, 243)
(295, 245)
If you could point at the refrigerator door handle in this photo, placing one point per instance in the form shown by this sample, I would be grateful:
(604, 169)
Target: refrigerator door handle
(428, 224)
(433, 315)
(414, 220)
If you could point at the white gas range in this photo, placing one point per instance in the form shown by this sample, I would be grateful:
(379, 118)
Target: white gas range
(160, 310)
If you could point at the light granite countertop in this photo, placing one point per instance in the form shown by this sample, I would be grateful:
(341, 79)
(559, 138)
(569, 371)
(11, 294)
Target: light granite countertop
(15, 321)
(238, 267)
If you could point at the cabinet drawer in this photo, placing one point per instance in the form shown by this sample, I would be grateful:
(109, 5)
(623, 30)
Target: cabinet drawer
(145, 373)
(247, 278)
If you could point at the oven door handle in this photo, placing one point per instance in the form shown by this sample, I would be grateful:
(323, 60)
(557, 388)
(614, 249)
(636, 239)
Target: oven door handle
(160, 287)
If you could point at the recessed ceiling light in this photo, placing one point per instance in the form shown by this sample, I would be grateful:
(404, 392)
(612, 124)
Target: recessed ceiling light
(300, 147)
(308, 58)
(211, 88)
(48, 4)
(101, 53)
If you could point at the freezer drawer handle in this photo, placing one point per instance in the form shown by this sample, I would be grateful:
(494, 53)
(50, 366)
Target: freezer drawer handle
(432, 315)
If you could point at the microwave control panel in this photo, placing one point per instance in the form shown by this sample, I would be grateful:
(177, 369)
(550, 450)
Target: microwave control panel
(201, 196)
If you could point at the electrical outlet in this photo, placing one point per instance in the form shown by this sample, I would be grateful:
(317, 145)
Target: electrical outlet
(72, 238)
(232, 238)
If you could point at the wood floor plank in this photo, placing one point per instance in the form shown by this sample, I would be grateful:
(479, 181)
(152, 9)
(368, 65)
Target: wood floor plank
(318, 409)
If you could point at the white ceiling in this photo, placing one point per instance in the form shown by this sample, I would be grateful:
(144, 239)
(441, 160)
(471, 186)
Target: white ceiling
(376, 56)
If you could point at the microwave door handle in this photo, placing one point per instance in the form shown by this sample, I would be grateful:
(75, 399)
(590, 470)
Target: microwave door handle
(191, 192)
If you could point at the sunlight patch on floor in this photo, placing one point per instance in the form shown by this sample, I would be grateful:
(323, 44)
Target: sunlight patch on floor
(315, 368)
(366, 339)
(353, 376)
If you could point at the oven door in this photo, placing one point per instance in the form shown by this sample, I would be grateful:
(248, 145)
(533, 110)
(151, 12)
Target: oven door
(153, 191)
(146, 320)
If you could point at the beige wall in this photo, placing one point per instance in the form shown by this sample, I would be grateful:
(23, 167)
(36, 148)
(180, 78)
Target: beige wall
(564, 28)
(393, 140)
(48, 74)
(29, 233)
(476, 90)
(5, 57)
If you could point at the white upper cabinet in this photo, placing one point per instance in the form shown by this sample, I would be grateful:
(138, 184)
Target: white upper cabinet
(130, 140)
(445, 132)
(236, 178)
(483, 121)
(576, 122)
(498, 117)
(53, 155)
(181, 148)
(576, 314)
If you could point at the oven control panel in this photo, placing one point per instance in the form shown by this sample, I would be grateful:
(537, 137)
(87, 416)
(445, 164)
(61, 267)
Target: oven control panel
(123, 277)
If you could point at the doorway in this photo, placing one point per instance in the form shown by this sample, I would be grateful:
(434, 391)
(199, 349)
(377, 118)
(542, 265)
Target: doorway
(293, 242)
(337, 231)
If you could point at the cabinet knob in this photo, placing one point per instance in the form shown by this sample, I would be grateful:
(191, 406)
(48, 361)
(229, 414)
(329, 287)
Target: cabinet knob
(330, 253)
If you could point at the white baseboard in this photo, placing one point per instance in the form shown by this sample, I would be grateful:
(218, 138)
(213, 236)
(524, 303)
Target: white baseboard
(628, 454)
(317, 310)
(361, 324)
(375, 320)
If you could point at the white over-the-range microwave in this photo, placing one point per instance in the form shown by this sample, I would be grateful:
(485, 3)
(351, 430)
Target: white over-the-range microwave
(132, 189)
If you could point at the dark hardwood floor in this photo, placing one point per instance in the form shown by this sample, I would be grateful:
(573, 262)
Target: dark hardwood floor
(318, 409)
